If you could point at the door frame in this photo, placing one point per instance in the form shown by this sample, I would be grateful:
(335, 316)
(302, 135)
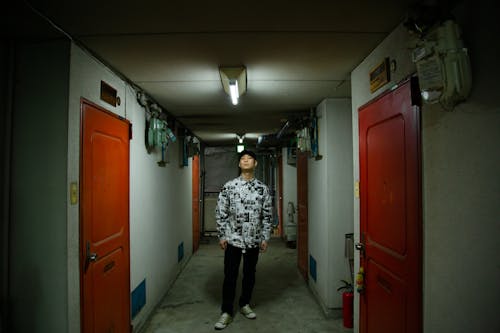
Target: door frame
(81, 240)
(415, 103)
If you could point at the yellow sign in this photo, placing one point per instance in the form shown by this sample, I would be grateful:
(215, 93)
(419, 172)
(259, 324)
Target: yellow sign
(380, 75)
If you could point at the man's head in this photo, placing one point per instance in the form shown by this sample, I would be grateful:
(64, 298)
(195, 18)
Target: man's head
(248, 160)
(249, 153)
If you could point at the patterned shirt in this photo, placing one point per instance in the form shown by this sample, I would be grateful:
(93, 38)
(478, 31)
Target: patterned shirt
(244, 213)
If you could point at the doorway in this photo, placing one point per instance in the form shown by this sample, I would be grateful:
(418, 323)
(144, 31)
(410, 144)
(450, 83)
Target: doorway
(104, 221)
(391, 224)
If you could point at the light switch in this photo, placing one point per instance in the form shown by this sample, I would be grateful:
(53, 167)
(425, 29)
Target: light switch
(73, 190)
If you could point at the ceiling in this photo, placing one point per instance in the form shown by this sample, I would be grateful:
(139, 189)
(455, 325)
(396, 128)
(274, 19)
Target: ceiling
(296, 52)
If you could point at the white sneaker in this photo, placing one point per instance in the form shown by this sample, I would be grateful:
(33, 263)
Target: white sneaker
(248, 312)
(224, 320)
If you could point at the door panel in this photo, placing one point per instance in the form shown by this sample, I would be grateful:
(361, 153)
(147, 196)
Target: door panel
(390, 293)
(391, 213)
(109, 293)
(104, 221)
(302, 212)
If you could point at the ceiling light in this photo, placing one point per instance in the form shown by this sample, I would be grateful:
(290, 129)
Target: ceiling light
(234, 81)
(240, 146)
(233, 91)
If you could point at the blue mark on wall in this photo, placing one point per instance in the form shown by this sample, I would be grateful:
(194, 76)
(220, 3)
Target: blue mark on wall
(138, 298)
(180, 252)
(312, 267)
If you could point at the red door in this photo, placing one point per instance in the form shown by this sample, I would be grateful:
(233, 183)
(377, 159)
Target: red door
(104, 244)
(391, 213)
(302, 230)
(196, 202)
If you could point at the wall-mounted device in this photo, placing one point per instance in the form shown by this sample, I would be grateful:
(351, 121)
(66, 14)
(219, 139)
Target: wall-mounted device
(443, 65)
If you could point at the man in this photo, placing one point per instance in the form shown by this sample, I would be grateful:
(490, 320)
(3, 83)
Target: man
(243, 215)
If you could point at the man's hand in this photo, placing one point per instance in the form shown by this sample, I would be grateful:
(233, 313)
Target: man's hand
(223, 244)
(263, 246)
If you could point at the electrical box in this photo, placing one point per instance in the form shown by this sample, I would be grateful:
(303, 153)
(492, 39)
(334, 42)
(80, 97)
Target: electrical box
(443, 65)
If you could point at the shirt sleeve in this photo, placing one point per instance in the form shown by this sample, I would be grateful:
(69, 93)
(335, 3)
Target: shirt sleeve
(222, 214)
(267, 215)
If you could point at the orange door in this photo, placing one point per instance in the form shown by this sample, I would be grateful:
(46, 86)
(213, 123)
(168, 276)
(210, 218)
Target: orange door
(104, 247)
(196, 202)
(390, 213)
(302, 233)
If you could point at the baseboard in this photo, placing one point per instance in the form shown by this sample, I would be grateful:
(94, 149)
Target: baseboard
(334, 313)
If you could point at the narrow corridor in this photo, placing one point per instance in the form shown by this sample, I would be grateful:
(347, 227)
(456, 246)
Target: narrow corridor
(281, 298)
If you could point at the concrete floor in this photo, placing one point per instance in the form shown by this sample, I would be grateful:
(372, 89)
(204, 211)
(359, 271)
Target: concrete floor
(281, 298)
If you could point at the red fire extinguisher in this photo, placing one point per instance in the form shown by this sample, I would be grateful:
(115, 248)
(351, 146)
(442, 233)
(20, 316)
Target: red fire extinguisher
(347, 303)
(347, 308)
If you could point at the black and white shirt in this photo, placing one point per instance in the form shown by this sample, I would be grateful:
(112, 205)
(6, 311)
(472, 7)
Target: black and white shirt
(244, 212)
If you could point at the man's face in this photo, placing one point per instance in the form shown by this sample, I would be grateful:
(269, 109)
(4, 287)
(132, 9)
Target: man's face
(247, 162)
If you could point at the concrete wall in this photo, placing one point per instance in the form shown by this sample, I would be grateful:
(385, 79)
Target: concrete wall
(160, 197)
(160, 215)
(461, 192)
(38, 223)
(330, 201)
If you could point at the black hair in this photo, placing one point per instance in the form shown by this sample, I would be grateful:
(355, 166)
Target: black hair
(247, 152)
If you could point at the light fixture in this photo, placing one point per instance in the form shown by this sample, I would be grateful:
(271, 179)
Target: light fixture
(240, 146)
(233, 91)
(234, 81)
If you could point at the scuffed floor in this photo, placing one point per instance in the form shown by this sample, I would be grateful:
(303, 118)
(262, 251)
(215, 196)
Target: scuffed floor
(281, 298)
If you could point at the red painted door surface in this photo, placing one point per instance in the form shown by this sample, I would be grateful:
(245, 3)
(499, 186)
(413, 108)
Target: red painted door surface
(196, 202)
(390, 185)
(104, 248)
(302, 230)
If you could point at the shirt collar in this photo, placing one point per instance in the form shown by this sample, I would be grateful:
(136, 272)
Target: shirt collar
(247, 181)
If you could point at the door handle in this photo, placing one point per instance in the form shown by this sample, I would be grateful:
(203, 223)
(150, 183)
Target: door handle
(90, 256)
(360, 247)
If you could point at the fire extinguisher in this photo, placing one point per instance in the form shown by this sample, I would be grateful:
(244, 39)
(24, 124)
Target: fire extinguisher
(347, 308)
(347, 303)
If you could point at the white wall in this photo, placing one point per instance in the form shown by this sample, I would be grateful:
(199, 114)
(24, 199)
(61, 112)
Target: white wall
(160, 214)
(289, 192)
(461, 191)
(85, 82)
(330, 192)
(160, 198)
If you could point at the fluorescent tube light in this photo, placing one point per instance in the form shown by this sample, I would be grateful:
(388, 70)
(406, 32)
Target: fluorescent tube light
(233, 89)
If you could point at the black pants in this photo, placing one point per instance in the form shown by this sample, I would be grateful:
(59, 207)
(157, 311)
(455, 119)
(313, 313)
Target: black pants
(232, 259)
